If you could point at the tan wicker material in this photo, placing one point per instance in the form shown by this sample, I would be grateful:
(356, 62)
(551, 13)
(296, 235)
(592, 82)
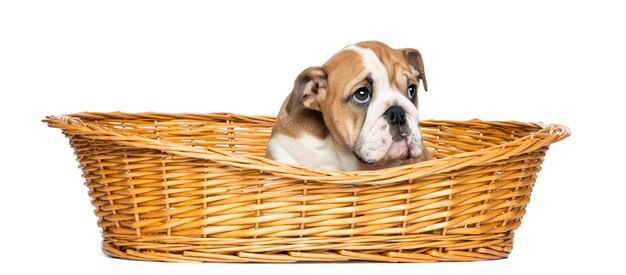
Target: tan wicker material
(196, 187)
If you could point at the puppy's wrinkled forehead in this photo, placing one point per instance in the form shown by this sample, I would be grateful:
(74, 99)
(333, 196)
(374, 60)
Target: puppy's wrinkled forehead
(345, 68)
(369, 59)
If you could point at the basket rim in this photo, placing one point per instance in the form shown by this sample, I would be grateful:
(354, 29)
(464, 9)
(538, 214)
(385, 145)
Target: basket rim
(544, 136)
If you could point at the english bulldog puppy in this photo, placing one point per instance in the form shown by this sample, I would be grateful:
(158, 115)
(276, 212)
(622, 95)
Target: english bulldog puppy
(358, 111)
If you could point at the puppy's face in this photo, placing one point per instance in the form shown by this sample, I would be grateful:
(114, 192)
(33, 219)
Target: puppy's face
(367, 94)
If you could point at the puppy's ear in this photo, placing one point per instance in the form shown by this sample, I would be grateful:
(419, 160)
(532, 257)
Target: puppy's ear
(309, 89)
(414, 58)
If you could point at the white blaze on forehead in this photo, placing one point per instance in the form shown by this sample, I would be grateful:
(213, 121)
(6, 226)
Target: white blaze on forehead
(383, 97)
(372, 64)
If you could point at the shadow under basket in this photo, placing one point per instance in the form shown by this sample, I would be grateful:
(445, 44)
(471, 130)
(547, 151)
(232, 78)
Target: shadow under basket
(196, 187)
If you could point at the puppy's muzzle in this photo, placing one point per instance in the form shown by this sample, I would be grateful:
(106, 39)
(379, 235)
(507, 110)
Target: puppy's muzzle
(396, 117)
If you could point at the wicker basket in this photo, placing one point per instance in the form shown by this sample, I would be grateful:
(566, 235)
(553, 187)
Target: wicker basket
(196, 187)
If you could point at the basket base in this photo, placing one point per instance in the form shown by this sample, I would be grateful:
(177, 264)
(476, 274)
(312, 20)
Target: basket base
(181, 249)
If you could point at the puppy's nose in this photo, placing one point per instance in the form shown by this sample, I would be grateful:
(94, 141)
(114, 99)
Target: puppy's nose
(395, 115)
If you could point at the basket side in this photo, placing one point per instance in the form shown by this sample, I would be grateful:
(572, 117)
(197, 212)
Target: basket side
(243, 216)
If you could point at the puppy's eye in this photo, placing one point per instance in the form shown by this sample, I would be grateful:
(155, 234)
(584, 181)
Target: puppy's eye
(362, 95)
(411, 91)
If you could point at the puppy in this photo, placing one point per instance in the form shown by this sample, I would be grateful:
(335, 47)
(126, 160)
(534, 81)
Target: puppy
(358, 111)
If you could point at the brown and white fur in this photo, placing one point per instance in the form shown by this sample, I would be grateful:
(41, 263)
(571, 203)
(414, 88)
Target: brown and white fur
(329, 122)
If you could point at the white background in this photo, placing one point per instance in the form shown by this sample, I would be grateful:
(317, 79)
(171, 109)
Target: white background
(556, 62)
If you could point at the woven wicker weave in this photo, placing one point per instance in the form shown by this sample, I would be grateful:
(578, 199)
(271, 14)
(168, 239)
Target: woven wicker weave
(195, 187)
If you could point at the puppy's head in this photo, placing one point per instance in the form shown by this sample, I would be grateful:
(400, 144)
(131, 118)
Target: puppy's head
(367, 95)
